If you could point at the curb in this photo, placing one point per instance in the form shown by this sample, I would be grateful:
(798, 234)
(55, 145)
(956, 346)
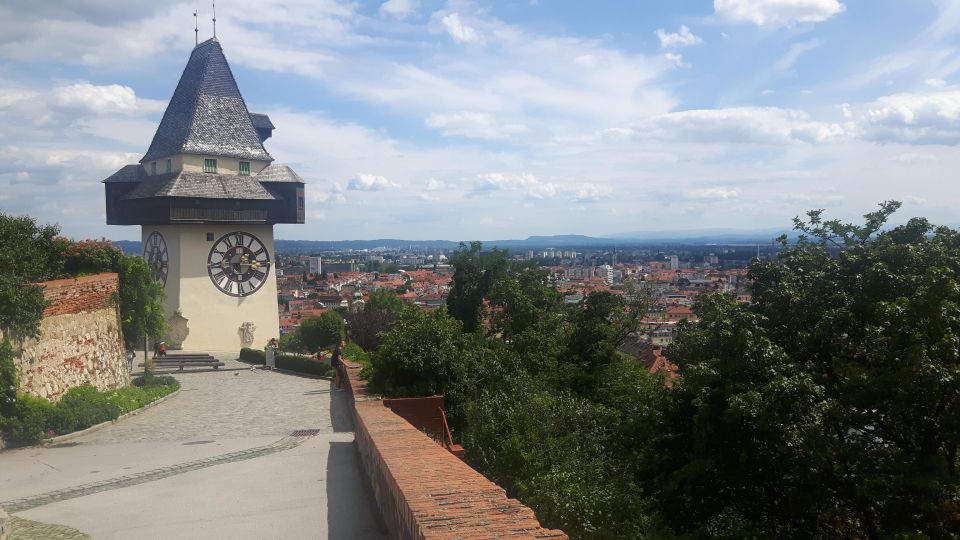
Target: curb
(63, 438)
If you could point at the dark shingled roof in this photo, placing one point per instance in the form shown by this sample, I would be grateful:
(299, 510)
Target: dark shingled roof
(278, 173)
(207, 114)
(129, 173)
(261, 121)
(201, 185)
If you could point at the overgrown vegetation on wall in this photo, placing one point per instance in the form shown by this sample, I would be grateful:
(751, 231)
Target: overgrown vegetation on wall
(33, 253)
(828, 408)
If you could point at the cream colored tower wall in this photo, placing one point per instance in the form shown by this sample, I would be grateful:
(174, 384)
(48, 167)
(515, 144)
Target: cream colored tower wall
(194, 163)
(214, 319)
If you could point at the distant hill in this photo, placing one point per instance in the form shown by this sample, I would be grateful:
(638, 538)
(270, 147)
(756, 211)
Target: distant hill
(629, 239)
(130, 247)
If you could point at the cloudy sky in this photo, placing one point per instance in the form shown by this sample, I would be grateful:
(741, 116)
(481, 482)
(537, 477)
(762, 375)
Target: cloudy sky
(426, 119)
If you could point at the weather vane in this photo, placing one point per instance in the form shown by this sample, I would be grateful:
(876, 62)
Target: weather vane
(196, 30)
(214, 19)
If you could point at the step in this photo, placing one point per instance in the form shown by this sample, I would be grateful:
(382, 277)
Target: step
(184, 360)
(176, 364)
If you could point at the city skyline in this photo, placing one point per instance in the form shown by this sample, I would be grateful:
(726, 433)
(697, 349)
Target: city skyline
(421, 120)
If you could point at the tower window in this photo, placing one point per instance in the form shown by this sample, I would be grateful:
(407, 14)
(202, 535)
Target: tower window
(153, 167)
(169, 165)
(209, 165)
(244, 168)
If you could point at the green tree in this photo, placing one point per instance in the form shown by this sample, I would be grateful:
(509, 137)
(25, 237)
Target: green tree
(830, 406)
(519, 297)
(141, 301)
(291, 341)
(323, 331)
(384, 300)
(420, 355)
(474, 273)
(599, 323)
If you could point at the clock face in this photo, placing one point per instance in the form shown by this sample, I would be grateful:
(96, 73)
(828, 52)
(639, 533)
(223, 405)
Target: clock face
(238, 264)
(155, 253)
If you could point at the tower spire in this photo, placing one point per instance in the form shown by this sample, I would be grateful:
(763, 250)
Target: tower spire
(196, 30)
(214, 19)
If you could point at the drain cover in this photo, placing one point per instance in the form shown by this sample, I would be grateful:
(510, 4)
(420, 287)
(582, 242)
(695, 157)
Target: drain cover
(305, 432)
(197, 442)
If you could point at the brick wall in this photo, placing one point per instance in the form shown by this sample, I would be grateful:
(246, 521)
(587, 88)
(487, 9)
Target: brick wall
(80, 340)
(421, 489)
(422, 413)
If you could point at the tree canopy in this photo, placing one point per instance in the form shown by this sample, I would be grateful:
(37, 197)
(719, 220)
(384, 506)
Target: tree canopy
(826, 408)
(324, 331)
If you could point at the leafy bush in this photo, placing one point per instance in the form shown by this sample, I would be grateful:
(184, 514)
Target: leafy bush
(8, 381)
(303, 364)
(149, 380)
(80, 408)
(291, 341)
(323, 331)
(253, 356)
(420, 355)
(355, 353)
(31, 420)
(291, 362)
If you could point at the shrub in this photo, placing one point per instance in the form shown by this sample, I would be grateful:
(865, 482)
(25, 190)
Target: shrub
(354, 352)
(303, 364)
(82, 407)
(31, 421)
(292, 362)
(290, 341)
(150, 380)
(325, 330)
(253, 356)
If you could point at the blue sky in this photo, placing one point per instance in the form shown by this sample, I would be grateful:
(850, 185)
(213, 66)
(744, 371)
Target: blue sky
(460, 120)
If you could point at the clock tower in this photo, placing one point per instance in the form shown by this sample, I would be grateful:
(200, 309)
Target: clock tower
(206, 195)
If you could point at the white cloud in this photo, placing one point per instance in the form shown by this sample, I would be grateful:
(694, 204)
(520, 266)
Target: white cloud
(683, 38)
(711, 194)
(911, 158)
(914, 118)
(751, 125)
(478, 125)
(370, 182)
(435, 185)
(332, 195)
(777, 12)
(676, 59)
(400, 9)
(109, 98)
(459, 31)
(935, 83)
(796, 51)
(589, 192)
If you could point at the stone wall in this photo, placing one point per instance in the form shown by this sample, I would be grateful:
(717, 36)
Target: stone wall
(80, 340)
(424, 491)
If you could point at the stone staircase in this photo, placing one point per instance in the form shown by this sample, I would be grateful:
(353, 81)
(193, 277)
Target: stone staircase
(179, 361)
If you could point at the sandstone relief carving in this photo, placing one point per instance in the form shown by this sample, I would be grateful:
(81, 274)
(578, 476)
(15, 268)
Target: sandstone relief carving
(246, 333)
(179, 330)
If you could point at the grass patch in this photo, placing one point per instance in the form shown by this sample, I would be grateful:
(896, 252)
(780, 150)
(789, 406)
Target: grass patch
(81, 407)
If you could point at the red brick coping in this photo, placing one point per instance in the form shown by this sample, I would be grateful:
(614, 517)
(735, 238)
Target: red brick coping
(421, 489)
(76, 295)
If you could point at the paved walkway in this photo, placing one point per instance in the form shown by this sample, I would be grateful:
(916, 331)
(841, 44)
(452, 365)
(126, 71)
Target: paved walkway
(219, 460)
